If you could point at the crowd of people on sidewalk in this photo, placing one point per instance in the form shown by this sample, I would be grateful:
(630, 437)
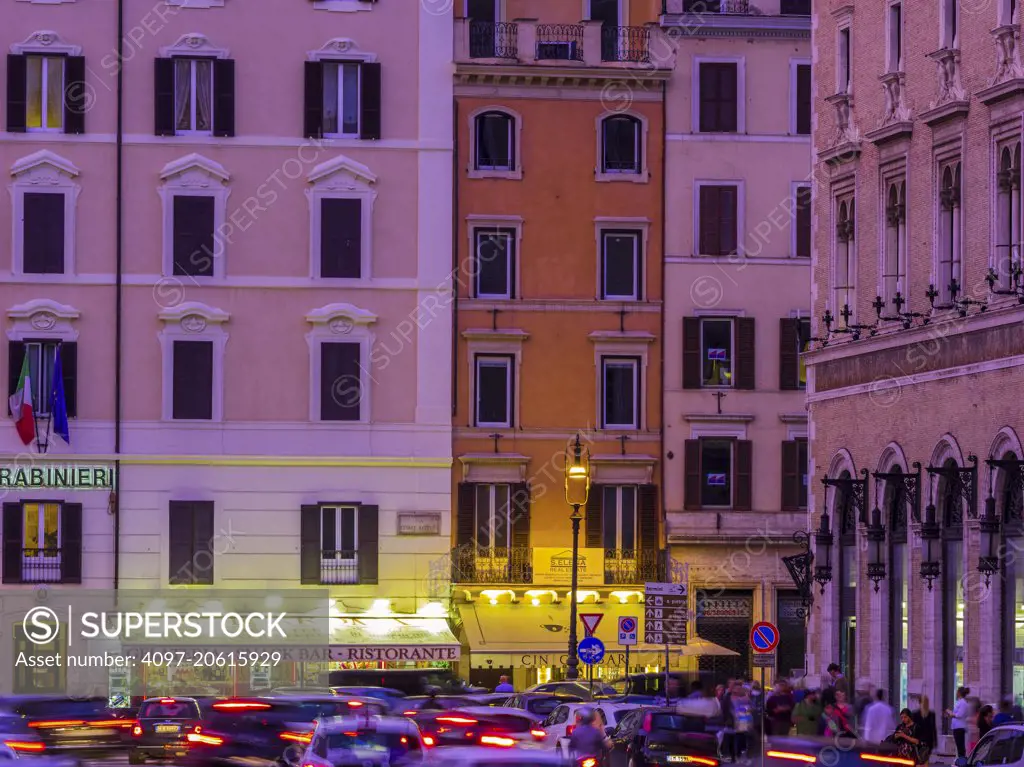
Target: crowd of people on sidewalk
(742, 711)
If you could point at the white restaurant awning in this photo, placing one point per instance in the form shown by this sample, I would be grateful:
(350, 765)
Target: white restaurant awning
(392, 639)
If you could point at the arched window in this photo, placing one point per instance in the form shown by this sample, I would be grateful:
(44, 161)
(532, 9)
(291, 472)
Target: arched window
(895, 271)
(848, 576)
(1008, 216)
(846, 257)
(950, 265)
(895, 509)
(495, 141)
(1008, 494)
(951, 513)
(621, 144)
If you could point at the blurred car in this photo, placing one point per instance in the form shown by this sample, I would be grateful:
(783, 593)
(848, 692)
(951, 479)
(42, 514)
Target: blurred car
(365, 742)
(161, 728)
(580, 689)
(416, 703)
(36, 759)
(267, 729)
(564, 719)
(662, 736)
(66, 724)
(540, 704)
(489, 698)
(480, 725)
(802, 751)
(494, 756)
(319, 706)
(301, 691)
(390, 696)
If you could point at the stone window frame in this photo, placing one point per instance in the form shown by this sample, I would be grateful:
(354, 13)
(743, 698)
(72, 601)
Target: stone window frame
(638, 225)
(192, 321)
(342, 178)
(516, 173)
(844, 23)
(44, 171)
(195, 176)
(1007, 137)
(341, 323)
(795, 62)
(893, 174)
(502, 343)
(844, 190)
(741, 92)
(644, 176)
(948, 155)
(632, 344)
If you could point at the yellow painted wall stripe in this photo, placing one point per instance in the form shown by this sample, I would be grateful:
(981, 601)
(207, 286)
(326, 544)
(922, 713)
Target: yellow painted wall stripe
(391, 462)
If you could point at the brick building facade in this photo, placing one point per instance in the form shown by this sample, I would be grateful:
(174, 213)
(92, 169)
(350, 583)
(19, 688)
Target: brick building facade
(917, 304)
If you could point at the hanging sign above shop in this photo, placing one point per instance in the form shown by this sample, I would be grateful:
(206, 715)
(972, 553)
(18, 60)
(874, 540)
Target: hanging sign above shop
(57, 477)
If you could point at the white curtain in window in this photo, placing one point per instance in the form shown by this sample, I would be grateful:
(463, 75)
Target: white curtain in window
(183, 94)
(204, 95)
(330, 105)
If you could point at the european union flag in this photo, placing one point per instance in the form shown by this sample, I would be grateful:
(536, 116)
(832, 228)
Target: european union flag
(58, 403)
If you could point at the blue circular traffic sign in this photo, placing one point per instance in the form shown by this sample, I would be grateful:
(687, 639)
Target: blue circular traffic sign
(591, 650)
(627, 625)
(764, 637)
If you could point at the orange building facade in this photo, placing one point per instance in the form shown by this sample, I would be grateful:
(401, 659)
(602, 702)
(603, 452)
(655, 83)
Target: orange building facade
(558, 261)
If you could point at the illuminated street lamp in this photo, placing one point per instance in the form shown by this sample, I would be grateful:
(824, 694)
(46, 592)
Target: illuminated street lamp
(577, 489)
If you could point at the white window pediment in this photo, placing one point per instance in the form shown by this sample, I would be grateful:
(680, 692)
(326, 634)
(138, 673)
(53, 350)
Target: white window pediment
(193, 171)
(44, 168)
(340, 323)
(42, 316)
(341, 178)
(193, 321)
(341, 47)
(194, 43)
(46, 41)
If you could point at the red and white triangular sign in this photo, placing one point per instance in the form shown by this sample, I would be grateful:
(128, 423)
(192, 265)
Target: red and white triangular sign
(590, 621)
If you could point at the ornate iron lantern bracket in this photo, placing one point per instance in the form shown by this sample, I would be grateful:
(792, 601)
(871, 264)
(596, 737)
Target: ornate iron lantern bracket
(965, 487)
(1013, 512)
(801, 569)
(856, 492)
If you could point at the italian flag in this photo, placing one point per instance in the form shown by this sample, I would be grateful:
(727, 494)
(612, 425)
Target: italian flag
(21, 406)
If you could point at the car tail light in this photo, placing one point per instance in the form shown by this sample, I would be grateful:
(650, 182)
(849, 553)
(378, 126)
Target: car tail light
(206, 740)
(428, 741)
(240, 706)
(167, 700)
(49, 723)
(136, 731)
(355, 704)
(497, 740)
(457, 720)
(704, 760)
(791, 756)
(538, 734)
(894, 760)
(589, 762)
(569, 729)
(126, 724)
(296, 737)
(109, 723)
(27, 746)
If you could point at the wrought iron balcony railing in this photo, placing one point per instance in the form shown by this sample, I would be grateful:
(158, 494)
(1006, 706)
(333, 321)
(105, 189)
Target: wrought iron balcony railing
(626, 44)
(339, 567)
(632, 566)
(472, 564)
(493, 40)
(40, 565)
(560, 42)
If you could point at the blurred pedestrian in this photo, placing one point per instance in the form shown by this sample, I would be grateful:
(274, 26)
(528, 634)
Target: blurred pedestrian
(927, 730)
(878, 719)
(807, 714)
(1005, 715)
(778, 710)
(504, 685)
(958, 721)
(833, 723)
(985, 716)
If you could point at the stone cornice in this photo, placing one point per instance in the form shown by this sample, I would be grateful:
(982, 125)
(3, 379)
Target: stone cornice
(699, 25)
(560, 76)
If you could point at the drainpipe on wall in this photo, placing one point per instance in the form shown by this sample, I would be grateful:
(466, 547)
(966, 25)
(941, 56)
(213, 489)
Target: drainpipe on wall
(661, 393)
(119, 298)
(455, 254)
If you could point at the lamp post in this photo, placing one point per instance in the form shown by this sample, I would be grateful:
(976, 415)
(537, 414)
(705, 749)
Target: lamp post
(823, 553)
(988, 562)
(577, 489)
(876, 548)
(930, 534)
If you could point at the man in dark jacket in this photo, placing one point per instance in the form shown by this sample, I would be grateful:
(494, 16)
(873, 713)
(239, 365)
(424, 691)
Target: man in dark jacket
(778, 710)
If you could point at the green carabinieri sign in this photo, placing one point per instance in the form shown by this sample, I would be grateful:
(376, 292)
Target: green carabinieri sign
(57, 477)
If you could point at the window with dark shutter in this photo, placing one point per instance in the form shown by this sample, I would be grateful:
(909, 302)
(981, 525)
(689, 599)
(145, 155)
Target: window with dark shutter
(743, 499)
(368, 547)
(313, 114)
(163, 97)
(494, 389)
(716, 479)
(718, 220)
(43, 233)
(13, 534)
(341, 236)
(193, 235)
(692, 475)
(223, 97)
(788, 353)
(794, 475)
(802, 222)
(17, 93)
(746, 353)
(71, 543)
(192, 380)
(309, 544)
(803, 99)
(370, 101)
(340, 383)
(595, 517)
(620, 265)
(191, 542)
(692, 366)
(647, 502)
(69, 366)
(520, 500)
(76, 96)
(718, 99)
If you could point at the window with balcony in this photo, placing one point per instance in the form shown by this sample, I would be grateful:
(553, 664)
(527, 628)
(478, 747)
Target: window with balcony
(718, 473)
(845, 265)
(492, 533)
(622, 520)
(1008, 217)
(493, 520)
(494, 386)
(42, 542)
(46, 93)
(621, 395)
(621, 145)
(950, 266)
(339, 543)
(494, 262)
(718, 219)
(894, 274)
(621, 265)
(718, 96)
(619, 520)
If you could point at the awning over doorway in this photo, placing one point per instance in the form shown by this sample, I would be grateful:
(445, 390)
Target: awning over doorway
(511, 635)
(393, 639)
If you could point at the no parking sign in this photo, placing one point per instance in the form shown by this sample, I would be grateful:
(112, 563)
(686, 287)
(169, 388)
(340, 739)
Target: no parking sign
(627, 630)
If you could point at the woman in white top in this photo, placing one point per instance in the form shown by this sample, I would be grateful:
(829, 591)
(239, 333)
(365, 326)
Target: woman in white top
(958, 721)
